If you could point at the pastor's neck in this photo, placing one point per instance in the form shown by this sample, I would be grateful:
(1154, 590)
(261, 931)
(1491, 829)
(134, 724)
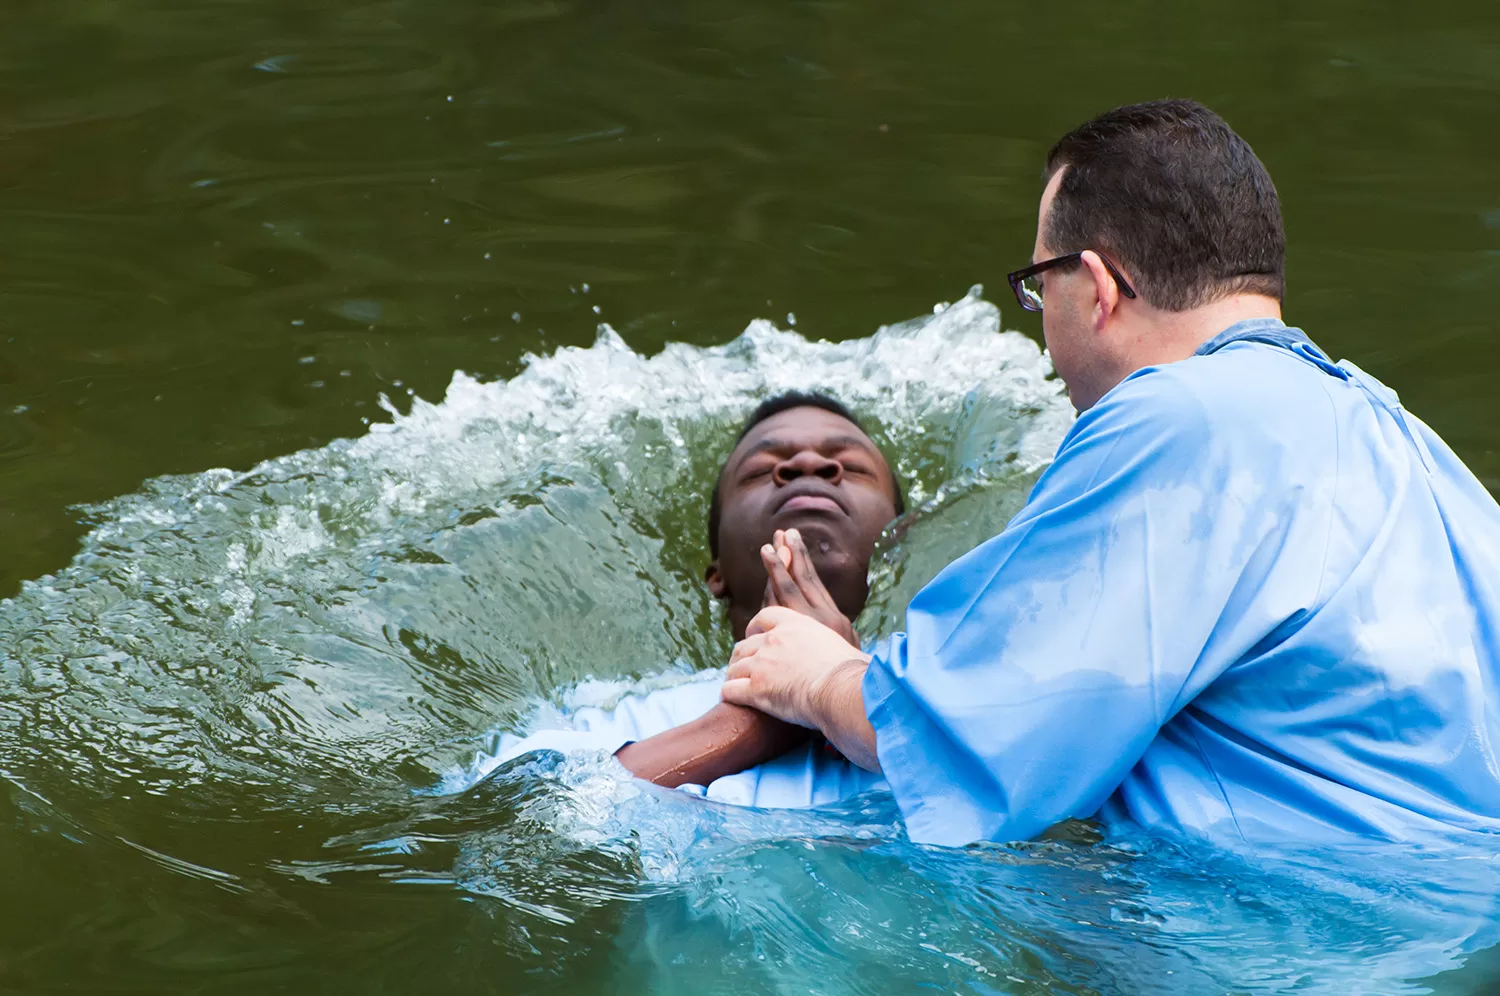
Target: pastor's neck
(1154, 337)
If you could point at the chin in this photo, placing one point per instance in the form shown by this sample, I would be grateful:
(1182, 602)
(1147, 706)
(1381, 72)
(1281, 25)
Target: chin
(835, 563)
(819, 529)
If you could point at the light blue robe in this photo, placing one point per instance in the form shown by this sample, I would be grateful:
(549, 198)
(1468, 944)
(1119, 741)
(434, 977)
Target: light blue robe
(1251, 599)
(807, 776)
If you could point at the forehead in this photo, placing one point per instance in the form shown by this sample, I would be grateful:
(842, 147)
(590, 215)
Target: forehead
(1049, 194)
(803, 426)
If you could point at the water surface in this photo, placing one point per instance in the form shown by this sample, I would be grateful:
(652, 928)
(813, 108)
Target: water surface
(232, 226)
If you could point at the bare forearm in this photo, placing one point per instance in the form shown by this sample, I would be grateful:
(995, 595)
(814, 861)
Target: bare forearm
(839, 705)
(724, 741)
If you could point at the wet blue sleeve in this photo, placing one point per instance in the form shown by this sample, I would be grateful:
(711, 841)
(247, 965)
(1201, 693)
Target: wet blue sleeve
(1036, 670)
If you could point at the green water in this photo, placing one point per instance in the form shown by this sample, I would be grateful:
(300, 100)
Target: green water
(226, 228)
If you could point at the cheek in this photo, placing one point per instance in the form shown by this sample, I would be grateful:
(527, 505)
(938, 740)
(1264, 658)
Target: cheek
(1055, 337)
(873, 514)
(1063, 331)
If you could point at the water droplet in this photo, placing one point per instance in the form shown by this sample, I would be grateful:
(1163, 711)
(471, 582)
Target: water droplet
(791, 319)
(304, 360)
(596, 309)
(515, 316)
(20, 409)
(299, 321)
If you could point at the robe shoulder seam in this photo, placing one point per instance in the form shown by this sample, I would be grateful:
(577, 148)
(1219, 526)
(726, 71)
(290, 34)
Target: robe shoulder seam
(1334, 500)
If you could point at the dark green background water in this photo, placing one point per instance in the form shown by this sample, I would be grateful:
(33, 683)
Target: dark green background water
(196, 196)
(226, 227)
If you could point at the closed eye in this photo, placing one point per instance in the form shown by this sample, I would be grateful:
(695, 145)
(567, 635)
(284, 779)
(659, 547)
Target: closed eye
(854, 462)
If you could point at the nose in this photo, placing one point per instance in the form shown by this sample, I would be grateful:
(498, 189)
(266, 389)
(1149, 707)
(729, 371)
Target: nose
(809, 463)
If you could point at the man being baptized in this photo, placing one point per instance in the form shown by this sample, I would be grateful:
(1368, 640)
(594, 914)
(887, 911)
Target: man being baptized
(794, 518)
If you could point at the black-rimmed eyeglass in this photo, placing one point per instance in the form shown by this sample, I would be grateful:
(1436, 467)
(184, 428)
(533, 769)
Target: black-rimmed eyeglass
(1028, 288)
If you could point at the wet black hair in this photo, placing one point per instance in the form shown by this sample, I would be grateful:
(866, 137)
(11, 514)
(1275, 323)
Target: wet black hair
(775, 406)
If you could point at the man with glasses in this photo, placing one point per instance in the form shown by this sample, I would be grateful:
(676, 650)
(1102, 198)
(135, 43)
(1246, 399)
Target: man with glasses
(1252, 598)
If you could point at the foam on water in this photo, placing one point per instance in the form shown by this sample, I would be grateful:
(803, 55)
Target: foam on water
(356, 615)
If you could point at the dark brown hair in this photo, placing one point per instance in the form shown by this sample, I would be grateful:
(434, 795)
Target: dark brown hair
(1175, 197)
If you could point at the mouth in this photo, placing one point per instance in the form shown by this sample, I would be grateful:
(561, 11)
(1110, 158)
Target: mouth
(810, 499)
(810, 503)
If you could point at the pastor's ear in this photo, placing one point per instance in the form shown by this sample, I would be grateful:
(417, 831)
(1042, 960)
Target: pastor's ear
(1106, 291)
(715, 580)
